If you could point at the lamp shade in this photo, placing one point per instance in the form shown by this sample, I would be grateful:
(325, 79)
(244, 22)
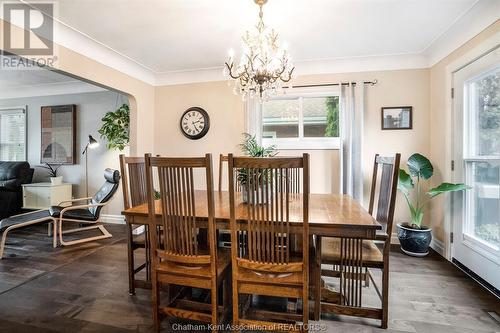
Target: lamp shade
(93, 142)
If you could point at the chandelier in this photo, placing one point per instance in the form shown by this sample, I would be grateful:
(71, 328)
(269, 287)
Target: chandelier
(263, 66)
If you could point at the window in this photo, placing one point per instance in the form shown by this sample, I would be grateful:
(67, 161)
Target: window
(13, 134)
(301, 122)
(482, 158)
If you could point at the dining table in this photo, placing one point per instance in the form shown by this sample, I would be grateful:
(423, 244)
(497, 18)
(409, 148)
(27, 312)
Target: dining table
(330, 215)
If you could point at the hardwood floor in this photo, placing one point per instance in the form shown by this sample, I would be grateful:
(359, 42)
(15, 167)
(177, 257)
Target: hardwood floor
(84, 289)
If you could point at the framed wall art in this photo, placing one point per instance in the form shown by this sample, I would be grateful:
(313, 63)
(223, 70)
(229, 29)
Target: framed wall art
(58, 124)
(397, 118)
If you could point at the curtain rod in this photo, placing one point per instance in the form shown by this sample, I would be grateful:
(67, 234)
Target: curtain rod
(371, 83)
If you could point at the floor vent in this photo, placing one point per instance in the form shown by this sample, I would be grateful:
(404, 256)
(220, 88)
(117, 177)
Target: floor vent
(494, 315)
(476, 277)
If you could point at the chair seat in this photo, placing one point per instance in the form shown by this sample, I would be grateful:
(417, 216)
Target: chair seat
(76, 214)
(223, 264)
(330, 252)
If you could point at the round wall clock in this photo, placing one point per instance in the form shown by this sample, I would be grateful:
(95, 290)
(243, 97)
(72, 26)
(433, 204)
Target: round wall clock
(195, 123)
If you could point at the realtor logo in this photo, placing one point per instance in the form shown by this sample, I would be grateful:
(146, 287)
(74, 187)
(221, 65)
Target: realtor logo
(37, 23)
(28, 36)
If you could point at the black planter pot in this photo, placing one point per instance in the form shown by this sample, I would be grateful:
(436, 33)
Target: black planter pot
(414, 242)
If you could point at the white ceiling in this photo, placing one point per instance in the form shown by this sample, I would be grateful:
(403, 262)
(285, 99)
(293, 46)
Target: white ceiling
(40, 82)
(19, 79)
(173, 35)
(162, 38)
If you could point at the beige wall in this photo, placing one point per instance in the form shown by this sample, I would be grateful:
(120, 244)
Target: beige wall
(438, 125)
(395, 88)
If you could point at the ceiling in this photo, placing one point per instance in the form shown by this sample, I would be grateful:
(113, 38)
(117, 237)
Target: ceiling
(19, 79)
(174, 35)
(40, 82)
(162, 38)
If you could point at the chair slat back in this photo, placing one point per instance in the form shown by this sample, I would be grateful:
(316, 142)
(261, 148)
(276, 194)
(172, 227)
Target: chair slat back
(268, 189)
(223, 159)
(177, 185)
(134, 186)
(293, 179)
(387, 188)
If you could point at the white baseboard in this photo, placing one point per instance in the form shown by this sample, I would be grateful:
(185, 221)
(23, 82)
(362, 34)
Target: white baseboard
(115, 219)
(437, 246)
(394, 238)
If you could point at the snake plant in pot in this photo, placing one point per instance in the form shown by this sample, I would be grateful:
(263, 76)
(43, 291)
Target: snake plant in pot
(414, 237)
(250, 147)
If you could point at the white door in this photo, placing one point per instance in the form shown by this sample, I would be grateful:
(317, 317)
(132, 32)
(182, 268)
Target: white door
(476, 212)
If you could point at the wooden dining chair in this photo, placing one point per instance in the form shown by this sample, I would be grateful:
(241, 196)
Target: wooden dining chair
(352, 258)
(223, 160)
(134, 187)
(263, 263)
(185, 259)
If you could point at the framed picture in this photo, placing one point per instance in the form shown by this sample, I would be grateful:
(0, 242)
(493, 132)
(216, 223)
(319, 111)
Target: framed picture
(58, 134)
(397, 118)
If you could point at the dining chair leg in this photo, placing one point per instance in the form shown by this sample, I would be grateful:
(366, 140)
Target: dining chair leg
(317, 279)
(305, 311)
(130, 257)
(236, 313)
(385, 290)
(147, 248)
(226, 297)
(155, 297)
(213, 299)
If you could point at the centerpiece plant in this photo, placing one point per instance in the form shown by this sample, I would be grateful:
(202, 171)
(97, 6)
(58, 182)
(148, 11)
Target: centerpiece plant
(250, 147)
(414, 237)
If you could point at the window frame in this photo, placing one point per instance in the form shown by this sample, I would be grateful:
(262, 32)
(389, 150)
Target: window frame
(24, 109)
(470, 157)
(301, 142)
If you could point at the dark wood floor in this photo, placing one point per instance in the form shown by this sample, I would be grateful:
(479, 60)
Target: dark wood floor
(84, 289)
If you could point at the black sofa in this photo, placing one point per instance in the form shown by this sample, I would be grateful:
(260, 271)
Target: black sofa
(12, 176)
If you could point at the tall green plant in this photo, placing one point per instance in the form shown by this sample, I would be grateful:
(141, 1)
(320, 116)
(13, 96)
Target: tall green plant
(250, 147)
(116, 128)
(420, 168)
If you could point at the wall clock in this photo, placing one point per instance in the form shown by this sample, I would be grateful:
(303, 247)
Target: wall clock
(195, 123)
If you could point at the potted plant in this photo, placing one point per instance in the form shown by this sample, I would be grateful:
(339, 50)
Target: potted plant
(250, 147)
(414, 237)
(116, 128)
(52, 171)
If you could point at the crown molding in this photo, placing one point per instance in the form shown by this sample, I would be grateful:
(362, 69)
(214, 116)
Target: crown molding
(480, 16)
(49, 89)
(308, 67)
(81, 43)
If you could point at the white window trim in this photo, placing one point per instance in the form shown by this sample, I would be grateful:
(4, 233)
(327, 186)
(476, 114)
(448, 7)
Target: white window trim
(24, 108)
(301, 142)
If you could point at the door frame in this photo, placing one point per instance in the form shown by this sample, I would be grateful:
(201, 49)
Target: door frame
(485, 47)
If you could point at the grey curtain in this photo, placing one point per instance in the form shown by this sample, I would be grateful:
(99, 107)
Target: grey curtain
(352, 106)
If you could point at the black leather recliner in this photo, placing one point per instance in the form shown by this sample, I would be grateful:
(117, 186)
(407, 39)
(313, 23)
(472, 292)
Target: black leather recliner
(12, 176)
(91, 213)
(88, 212)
